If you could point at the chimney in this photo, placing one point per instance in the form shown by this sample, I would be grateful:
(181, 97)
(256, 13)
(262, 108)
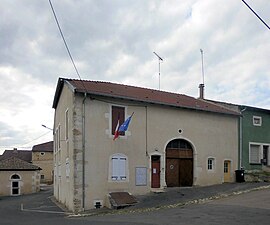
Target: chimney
(201, 87)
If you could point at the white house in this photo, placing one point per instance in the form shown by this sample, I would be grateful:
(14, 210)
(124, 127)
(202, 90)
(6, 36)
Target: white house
(172, 140)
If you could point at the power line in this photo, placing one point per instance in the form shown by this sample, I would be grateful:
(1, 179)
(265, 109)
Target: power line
(65, 43)
(256, 15)
(29, 141)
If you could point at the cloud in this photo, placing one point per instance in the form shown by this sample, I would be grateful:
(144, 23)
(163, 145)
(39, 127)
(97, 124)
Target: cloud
(115, 40)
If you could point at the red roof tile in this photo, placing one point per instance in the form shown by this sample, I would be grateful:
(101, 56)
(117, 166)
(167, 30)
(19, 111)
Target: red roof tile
(139, 94)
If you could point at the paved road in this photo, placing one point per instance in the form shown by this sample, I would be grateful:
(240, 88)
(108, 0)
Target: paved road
(250, 208)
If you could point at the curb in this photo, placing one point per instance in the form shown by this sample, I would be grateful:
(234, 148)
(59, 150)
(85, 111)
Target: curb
(176, 205)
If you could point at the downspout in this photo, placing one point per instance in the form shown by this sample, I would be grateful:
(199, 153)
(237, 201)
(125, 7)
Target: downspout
(241, 139)
(146, 130)
(83, 152)
(240, 142)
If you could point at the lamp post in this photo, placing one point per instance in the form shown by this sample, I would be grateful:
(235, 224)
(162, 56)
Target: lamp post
(47, 127)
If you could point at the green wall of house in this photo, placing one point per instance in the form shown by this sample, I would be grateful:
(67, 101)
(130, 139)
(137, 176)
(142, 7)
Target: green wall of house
(254, 134)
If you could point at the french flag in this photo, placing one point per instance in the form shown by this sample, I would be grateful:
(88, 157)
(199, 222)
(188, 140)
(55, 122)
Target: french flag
(116, 132)
(122, 128)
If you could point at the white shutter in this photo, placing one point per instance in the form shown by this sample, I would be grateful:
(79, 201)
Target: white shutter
(115, 168)
(122, 168)
(119, 167)
(254, 154)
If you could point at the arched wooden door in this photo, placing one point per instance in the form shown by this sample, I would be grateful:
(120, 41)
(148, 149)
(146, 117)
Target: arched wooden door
(179, 163)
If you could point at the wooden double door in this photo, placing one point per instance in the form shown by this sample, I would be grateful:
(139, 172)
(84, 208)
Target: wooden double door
(179, 167)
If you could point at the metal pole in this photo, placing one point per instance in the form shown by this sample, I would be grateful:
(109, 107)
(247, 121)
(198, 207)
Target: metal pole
(202, 65)
(159, 59)
(159, 74)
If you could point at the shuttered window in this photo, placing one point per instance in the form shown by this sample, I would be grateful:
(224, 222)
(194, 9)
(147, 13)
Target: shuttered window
(119, 164)
(118, 114)
(254, 154)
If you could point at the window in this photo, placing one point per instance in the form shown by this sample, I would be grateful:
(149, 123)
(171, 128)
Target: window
(42, 153)
(210, 164)
(15, 184)
(226, 167)
(15, 177)
(118, 116)
(118, 167)
(257, 121)
(254, 154)
(42, 177)
(66, 124)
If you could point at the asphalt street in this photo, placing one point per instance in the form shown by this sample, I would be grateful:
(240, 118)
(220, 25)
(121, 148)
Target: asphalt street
(245, 207)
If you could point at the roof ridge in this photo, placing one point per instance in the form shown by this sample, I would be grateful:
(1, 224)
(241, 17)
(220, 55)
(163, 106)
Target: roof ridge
(140, 94)
(128, 85)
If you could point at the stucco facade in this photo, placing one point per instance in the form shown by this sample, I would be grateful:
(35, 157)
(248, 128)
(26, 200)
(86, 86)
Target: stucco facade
(18, 177)
(254, 136)
(42, 156)
(84, 148)
(28, 181)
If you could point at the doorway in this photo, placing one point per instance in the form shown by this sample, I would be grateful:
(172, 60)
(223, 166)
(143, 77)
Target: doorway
(227, 171)
(155, 171)
(15, 184)
(179, 163)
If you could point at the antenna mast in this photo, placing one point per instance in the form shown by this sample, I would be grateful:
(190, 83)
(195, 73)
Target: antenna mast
(202, 66)
(159, 59)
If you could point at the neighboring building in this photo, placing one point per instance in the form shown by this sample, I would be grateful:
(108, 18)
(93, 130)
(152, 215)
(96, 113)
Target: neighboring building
(18, 177)
(254, 136)
(173, 140)
(42, 156)
(25, 155)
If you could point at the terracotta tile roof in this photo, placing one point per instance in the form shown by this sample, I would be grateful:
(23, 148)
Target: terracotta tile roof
(139, 94)
(43, 147)
(14, 163)
(25, 155)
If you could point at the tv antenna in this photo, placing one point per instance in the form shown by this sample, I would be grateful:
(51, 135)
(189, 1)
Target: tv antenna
(202, 66)
(159, 59)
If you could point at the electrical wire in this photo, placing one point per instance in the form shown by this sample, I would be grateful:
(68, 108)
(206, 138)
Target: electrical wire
(65, 43)
(256, 15)
(29, 141)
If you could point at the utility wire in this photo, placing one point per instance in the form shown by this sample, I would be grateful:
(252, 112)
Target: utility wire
(256, 15)
(67, 48)
(29, 141)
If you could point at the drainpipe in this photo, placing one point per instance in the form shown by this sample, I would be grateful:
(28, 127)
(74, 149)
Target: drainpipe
(146, 130)
(83, 152)
(241, 139)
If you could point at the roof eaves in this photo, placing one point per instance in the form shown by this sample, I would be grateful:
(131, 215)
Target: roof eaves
(59, 87)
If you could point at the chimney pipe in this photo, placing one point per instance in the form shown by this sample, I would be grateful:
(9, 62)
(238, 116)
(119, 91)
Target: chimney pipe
(201, 87)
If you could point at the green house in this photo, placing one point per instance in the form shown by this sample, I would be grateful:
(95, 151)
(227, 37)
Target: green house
(254, 138)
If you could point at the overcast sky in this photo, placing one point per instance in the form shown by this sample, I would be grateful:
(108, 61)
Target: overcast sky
(114, 40)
